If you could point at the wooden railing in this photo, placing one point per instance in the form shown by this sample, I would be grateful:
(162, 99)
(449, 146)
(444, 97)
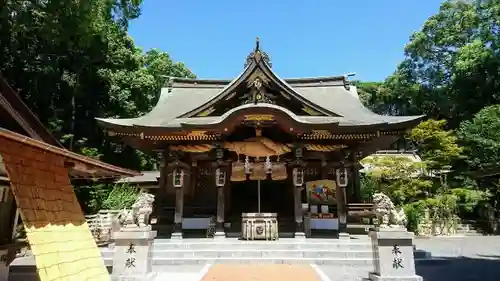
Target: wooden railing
(361, 212)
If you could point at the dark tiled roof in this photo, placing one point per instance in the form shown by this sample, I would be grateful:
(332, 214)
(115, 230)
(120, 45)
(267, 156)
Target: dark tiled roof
(333, 96)
(85, 167)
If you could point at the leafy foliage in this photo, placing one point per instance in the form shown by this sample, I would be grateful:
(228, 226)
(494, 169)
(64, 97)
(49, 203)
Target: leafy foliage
(398, 177)
(122, 196)
(435, 145)
(73, 61)
(481, 138)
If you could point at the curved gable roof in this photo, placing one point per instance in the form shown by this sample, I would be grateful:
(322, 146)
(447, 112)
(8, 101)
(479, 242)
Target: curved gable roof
(185, 98)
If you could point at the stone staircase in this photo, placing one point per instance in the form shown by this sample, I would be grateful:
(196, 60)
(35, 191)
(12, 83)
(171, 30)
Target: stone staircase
(352, 252)
(468, 229)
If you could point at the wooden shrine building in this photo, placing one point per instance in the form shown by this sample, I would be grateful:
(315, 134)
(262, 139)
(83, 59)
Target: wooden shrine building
(299, 140)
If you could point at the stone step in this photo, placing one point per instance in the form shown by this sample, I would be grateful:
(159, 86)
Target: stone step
(276, 254)
(360, 263)
(263, 245)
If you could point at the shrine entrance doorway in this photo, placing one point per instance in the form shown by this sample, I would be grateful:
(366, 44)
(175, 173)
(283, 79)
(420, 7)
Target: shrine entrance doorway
(275, 197)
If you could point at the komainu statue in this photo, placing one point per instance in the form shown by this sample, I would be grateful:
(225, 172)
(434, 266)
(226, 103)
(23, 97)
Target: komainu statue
(387, 214)
(138, 216)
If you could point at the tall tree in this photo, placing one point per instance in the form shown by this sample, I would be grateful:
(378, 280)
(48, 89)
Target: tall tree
(73, 61)
(481, 138)
(451, 66)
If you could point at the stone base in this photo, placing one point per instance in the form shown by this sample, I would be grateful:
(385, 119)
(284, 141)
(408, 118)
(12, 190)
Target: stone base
(219, 235)
(4, 268)
(375, 277)
(300, 235)
(4, 272)
(344, 235)
(176, 235)
(132, 254)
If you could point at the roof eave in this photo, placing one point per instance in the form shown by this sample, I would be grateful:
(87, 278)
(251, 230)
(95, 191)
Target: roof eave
(81, 164)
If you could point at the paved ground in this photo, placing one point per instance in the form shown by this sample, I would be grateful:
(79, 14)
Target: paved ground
(267, 272)
(182, 273)
(463, 259)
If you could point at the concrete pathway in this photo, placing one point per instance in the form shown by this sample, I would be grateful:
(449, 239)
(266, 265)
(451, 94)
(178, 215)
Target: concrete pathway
(264, 272)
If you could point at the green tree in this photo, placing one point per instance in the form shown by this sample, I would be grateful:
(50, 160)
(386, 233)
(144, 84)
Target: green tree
(437, 146)
(73, 61)
(450, 70)
(398, 177)
(481, 138)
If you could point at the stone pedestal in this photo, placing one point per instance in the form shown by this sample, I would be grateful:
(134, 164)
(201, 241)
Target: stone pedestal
(219, 234)
(344, 236)
(133, 251)
(4, 268)
(393, 255)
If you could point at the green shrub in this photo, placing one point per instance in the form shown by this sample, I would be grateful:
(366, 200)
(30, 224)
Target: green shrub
(121, 197)
(414, 213)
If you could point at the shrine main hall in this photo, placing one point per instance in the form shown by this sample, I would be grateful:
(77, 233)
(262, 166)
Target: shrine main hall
(258, 157)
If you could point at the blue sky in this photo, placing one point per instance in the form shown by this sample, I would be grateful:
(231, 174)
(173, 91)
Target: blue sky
(303, 38)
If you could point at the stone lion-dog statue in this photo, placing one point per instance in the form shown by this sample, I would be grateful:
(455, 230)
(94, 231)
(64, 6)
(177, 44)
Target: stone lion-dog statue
(138, 215)
(387, 213)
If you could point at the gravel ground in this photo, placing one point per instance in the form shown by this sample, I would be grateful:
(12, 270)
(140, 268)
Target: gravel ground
(461, 259)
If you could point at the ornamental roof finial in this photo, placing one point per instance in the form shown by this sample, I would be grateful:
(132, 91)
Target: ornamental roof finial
(257, 55)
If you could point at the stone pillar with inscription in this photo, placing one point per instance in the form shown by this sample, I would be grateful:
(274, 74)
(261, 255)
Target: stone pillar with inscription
(132, 257)
(393, 255)
(132, 260)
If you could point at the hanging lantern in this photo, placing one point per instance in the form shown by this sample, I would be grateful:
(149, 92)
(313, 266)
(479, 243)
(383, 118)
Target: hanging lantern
(268, 165)
(178, 177)
(220, 177)
(342, 179)
(248, 166)
(298, 176)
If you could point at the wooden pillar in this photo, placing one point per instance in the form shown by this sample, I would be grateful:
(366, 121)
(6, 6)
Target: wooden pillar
(180, 178)
(179, 210)
(342, 202)
(298, 164)
(342, 208)
(162, 189)
(219, 226)
(299, 221)
(356, 186)
(221, 179)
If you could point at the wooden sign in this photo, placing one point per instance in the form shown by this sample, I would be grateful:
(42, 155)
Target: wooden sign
(259, 117)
